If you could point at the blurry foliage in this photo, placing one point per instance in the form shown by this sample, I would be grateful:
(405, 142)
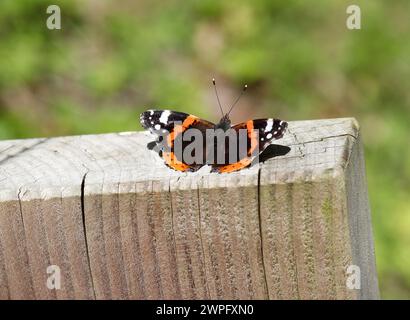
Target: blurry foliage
(112, 59)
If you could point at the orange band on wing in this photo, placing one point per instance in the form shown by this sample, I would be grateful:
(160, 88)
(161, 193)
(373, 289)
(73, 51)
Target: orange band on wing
(253, 136)
(173, 162)
(235, 166)
(178, 129)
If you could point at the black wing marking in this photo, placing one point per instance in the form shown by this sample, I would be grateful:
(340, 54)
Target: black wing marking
(161, 121)
(269, 129)
(260, 132)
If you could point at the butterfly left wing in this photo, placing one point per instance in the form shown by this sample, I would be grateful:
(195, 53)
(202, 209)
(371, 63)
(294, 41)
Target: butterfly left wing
(170, 125)
(260, 133)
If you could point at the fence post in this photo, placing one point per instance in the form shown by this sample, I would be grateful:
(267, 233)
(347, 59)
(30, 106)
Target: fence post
(119, 224)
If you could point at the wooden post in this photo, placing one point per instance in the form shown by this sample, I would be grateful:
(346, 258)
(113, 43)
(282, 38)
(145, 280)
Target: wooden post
(120, 225)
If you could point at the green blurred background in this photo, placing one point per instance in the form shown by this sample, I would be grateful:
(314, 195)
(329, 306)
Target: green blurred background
(113, 59)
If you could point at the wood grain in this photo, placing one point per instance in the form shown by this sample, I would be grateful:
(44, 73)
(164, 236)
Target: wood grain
(121, 225)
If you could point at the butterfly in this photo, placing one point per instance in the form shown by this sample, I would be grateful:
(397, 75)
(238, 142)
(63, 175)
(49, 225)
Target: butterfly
(172, 127)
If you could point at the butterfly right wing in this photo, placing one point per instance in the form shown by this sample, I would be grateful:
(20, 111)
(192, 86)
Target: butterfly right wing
(260, 132)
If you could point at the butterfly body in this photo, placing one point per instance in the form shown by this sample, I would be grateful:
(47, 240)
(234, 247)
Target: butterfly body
(224, 123)
(172, 127)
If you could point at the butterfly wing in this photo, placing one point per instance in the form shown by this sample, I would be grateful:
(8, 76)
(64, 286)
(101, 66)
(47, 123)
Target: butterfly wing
(269, 130)
(169, 126)
(260, 133)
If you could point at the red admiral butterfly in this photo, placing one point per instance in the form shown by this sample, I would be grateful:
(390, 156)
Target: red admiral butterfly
(170, 125)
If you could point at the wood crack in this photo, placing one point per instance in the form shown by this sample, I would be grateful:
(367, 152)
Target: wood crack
(85, 231)
(318, 140)
(23, 150)
(260, 233)
(25, 237)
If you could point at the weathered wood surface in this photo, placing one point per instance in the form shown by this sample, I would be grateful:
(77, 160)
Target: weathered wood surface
(121, 225)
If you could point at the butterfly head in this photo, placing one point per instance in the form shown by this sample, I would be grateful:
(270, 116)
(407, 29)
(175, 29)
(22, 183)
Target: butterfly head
(224, 123)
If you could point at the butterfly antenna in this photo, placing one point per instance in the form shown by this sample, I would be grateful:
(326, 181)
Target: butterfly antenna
(237, 99)
(217, 97)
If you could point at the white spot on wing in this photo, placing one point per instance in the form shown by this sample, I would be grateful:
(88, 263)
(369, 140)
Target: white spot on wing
(157, 126)
(164, 117)
(269, 136)
(269, 125)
